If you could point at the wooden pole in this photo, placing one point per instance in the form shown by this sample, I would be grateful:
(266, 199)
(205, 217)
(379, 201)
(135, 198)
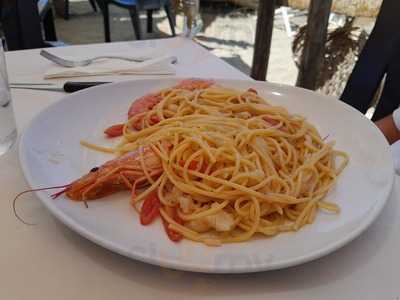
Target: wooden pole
(314, 44)
(262, 46)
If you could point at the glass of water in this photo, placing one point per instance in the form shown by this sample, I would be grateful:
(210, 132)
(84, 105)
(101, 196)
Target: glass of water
(192, 22)
(8, 130)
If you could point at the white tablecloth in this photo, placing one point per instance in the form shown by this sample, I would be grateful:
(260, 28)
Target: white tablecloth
(48, 261)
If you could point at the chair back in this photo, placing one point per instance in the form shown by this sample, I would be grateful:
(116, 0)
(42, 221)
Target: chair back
(21, 24)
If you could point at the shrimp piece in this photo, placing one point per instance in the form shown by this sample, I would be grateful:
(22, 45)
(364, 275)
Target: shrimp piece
(147, 102)
(114, 130)
(194, 84)
(144, 104)
(140, 105)
(116, 175)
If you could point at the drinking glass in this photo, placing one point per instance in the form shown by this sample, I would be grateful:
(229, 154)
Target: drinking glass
(8, 130)
(192, 22)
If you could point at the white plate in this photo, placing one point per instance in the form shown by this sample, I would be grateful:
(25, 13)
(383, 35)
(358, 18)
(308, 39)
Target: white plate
(50, 154)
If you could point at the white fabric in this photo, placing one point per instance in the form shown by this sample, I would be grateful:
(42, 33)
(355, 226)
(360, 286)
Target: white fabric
(396, 118)
(396, 146)
(396, 156)
(157, 66)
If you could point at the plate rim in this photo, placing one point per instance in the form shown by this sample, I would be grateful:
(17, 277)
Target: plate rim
(369, 217)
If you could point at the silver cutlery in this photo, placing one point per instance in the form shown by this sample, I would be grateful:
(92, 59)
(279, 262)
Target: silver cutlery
(84, 62)
(31, 83)
(67, 87)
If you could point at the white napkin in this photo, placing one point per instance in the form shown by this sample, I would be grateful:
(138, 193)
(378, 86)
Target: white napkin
(396, 156)
(157, 66)
(395, 148)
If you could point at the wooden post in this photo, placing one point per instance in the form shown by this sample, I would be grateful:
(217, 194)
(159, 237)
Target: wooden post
(314, 44)
(262, 45)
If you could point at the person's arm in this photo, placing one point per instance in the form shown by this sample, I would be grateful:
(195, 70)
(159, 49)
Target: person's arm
(390, 126)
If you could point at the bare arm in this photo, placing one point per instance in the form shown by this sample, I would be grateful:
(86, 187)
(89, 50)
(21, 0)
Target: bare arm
(389, 129)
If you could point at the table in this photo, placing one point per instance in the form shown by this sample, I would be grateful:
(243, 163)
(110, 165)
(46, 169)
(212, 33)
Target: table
(48, 261)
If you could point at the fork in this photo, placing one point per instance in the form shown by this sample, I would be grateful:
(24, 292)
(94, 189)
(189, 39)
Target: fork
(84, 62)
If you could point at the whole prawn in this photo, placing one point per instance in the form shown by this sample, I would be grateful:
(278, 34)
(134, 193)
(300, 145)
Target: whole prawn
(131, 170)
(119, 174)
(125, 173)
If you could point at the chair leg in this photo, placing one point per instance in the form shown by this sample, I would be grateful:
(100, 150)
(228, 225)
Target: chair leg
(106, 21)
(134, 12)
(149, 20)
(48, 26)
(66, 10)
(93, 4)
(168, 10)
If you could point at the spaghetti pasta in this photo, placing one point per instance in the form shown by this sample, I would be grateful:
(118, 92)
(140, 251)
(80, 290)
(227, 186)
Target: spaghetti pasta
(231, 165)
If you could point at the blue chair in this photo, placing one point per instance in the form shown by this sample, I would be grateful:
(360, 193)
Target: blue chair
(134, 7)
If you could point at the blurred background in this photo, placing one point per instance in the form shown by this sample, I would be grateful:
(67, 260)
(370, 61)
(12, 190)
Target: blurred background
(228, 31)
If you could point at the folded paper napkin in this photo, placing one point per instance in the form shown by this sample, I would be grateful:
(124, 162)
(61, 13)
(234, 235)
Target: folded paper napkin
(156, 66)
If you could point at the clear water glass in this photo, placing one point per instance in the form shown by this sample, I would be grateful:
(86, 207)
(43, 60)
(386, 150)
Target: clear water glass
(8, 130)
(192, 22)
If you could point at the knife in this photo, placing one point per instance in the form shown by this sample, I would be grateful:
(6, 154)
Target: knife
(68, 87)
